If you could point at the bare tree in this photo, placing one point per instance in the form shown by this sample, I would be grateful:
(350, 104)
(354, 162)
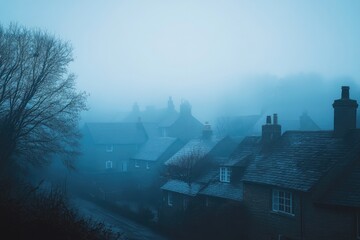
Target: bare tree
(39, 104)
(186, 166)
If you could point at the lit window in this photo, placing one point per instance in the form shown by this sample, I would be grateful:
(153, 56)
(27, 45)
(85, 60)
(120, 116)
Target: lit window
(109, 148)
(170, 199)
(108, 164)
(147, 165)
(225, 173)
(282, 201)
(137, 164)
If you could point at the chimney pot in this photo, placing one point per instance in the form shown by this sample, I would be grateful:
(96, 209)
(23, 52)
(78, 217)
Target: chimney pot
(345, 92)
(268, 119)
(275, 119)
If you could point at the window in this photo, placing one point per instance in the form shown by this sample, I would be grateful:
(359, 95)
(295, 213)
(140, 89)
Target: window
(109, 148)
(137, 164)
(358, 225)
(282, 201)
(108, 164)
(225, 173)
(170, 199)
(124, 166)
(147, 165)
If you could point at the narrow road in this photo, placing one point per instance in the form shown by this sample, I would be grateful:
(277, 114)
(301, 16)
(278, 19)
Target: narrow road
(130, 229)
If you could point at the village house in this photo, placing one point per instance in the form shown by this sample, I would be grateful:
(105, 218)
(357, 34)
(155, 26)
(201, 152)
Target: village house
(296, 185)
(109, 146)
(300, 185)
(191, 168)
(168, 122)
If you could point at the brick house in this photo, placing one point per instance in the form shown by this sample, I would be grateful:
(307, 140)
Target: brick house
(302, 185)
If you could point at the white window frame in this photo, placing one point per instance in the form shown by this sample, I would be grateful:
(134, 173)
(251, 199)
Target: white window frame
(225, 174)
(282, 202)
(147, 165)
(136, 164)
(170, 200)
(124, 166)
(108, 164)
(109, 148)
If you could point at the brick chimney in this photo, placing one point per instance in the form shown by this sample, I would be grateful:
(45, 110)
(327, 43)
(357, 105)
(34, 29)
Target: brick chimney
(271, 132)
(344, 113)
(207, 132)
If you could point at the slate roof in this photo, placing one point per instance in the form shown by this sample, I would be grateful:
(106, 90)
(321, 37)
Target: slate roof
(249, 146)
(154, 148)
(299, 159)
(196, 146)
(223, 190)
(346, 191)
(182, 187)
(116, 133)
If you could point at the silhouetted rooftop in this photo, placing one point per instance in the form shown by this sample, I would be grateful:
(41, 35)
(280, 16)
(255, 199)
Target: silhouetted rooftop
(154, 148)
(116, 133)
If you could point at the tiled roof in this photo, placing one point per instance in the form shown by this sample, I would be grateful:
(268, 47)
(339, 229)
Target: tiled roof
(116, 133)
(199, 147)
(223, 190)
(182, 187)
(299, 159)
(154, 148)
(249, 146)
(346, 191)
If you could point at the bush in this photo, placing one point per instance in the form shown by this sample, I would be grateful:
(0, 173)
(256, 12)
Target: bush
(41, 214)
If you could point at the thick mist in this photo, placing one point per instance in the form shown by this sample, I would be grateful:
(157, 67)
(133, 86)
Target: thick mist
(225, 58)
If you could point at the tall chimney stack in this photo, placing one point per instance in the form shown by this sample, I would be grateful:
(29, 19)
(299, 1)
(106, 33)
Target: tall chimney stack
(344, 113)
(271, 132)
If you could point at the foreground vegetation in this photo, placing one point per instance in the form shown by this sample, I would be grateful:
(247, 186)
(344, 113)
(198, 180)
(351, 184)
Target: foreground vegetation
(34, 213)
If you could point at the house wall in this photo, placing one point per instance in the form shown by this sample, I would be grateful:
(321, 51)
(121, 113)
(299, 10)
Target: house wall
(264, 223)
(95, 156)
(321, 222)
(310, 221)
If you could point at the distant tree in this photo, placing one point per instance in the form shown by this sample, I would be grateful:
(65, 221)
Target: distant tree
(39, 104)
(186, 167)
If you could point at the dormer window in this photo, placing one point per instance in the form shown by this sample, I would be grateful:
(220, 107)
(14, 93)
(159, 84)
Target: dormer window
(109, 148)
(147, 165)
(108, 164)
(137, 164)
(225, 174)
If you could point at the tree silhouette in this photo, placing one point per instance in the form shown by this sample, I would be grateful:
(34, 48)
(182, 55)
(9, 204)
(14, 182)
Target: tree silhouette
(39, 104)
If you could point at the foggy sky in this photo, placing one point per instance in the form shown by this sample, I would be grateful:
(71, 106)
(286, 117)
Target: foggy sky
(224, 57)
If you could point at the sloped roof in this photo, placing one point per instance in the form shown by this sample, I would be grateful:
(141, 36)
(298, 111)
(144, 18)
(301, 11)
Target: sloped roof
(116, 133)
(299, 159)
(249, 146)
(154, 148)
(169, 119)
(199, 147)
(223, 190)
(182, 187)
(346, 191)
